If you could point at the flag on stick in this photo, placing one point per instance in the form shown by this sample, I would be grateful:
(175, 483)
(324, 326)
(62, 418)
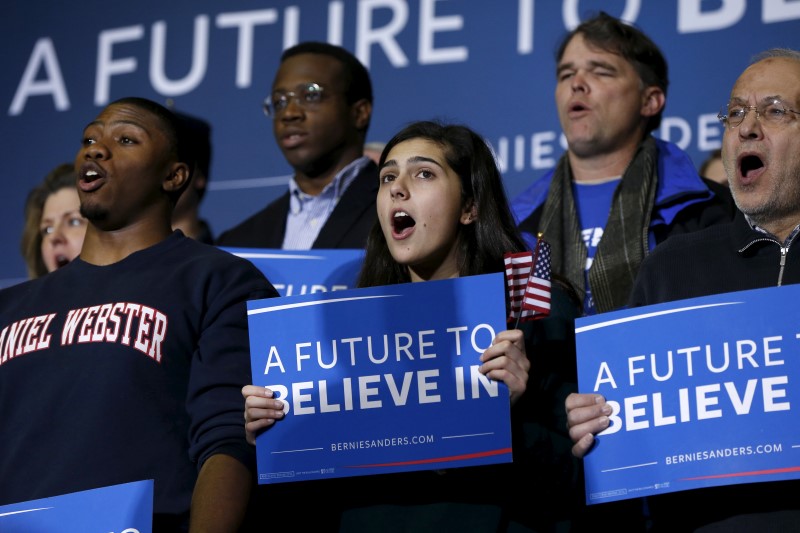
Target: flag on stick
(528, 280)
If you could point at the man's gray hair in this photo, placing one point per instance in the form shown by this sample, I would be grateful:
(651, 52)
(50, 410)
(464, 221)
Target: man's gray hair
(777, 52)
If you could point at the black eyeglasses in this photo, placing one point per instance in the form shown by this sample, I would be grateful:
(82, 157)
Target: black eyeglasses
(306, 95)
(773, 112)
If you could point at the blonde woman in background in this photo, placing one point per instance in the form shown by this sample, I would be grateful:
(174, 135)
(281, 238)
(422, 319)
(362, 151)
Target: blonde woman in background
(54, 226)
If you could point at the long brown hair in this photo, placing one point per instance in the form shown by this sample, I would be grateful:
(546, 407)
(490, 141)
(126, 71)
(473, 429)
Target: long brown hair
(483, 243)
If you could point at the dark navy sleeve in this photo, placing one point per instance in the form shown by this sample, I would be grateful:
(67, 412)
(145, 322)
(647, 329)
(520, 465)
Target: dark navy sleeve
(221, 363)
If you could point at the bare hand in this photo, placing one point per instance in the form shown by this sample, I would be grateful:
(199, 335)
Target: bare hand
(505, 360)
(260, 410)
(587, 415)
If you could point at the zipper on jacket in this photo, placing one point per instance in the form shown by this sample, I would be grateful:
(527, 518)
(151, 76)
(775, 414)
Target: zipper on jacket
(784, 251)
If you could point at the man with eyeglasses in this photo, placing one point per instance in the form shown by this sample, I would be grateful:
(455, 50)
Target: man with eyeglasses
(758, 249)
(617, 191)
(320, 107)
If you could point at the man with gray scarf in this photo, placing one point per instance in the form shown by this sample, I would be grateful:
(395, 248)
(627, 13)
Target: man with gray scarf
(617, 191)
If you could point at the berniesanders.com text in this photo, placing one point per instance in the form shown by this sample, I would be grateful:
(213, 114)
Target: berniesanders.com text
(723, 453)
(388, 442)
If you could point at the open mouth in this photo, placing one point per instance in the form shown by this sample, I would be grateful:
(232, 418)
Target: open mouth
(402, 223)
(750, 165)
(90, 172)
(90, 177)
(62, 260)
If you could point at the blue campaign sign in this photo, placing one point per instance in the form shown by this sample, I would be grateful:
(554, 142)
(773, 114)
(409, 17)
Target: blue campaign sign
(381, 379)
(305, 272)
(117, 508)
(705, 392)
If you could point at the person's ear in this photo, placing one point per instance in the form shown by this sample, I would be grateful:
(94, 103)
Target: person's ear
(469, 214)
(361, 113)
(653, 100)
(177, 178)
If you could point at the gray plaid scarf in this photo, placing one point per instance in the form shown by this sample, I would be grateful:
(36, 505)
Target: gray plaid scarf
(624, 243)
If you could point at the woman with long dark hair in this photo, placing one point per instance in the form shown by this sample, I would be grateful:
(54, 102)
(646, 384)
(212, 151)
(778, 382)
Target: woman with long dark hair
(443, 213)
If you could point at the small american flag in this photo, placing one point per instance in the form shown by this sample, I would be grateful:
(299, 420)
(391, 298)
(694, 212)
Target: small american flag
(528, 279)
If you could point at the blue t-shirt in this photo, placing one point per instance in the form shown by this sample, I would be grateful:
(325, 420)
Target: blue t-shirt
(593, 203)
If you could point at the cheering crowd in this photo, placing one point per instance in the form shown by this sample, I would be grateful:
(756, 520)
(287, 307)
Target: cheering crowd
(126, 355)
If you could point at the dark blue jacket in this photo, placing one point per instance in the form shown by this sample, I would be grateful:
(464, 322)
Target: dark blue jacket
(684, 201)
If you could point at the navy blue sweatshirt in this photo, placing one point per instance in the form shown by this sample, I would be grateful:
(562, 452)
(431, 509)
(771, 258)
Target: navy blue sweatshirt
(131, 371)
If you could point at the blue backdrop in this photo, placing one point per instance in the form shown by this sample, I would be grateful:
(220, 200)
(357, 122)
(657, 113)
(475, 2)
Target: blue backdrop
(487, 64)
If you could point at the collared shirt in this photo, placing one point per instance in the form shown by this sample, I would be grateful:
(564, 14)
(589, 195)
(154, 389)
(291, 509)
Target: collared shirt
(308, 214)
(788, 240)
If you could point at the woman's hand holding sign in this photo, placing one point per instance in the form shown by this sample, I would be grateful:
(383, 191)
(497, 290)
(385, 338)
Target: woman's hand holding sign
(505, 360)
(260, 410)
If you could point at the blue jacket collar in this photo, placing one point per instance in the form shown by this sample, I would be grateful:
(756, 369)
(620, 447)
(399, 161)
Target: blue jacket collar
(679, 185)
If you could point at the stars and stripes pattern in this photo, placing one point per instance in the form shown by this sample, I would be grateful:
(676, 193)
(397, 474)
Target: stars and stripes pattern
(528, 280)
